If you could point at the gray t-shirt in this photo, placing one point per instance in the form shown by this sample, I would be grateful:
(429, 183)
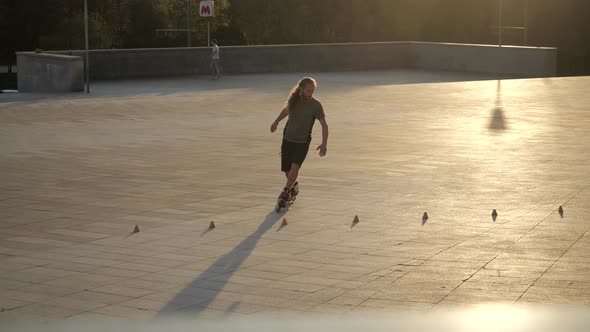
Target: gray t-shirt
(301, 120)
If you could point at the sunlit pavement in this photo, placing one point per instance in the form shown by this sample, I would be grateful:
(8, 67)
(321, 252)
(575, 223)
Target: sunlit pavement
(79, 172)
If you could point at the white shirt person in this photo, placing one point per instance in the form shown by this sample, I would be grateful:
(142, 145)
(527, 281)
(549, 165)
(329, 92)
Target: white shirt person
(215, 58)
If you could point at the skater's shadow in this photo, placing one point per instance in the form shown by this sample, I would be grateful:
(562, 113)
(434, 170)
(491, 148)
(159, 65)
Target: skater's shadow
(205, 287)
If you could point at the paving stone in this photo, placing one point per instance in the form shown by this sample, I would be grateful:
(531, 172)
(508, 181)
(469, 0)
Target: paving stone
(9, 304)
(126, 312)
(47, 310)
(99, 297)
(122, 290)
(68, 302)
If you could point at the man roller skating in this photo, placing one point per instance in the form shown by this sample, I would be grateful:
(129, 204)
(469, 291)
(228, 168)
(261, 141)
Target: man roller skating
(302, 110)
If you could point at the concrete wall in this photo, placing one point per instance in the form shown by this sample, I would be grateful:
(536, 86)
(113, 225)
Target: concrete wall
(315, 57)
(136, 63)
(41, 72)
(506, 60)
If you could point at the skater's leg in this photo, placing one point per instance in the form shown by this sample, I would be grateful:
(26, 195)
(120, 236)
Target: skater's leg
(292, 176)
(285, 195)
(290, 167)
(294, 188)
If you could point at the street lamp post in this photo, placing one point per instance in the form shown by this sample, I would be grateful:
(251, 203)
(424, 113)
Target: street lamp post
(500, 25)
(188, 28)
(526, 22)
(86, 63)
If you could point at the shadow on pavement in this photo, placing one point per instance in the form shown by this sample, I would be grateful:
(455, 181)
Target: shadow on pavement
(203, 288)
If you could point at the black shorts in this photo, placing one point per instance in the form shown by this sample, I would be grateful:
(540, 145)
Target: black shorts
(292, 153)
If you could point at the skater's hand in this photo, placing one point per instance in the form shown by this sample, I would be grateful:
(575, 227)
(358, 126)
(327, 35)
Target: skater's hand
(323, 149)
(273, 127)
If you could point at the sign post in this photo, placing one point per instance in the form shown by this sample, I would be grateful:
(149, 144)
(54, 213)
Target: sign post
(207, 9)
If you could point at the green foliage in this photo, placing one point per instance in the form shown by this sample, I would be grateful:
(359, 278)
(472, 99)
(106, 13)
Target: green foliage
(69, 33)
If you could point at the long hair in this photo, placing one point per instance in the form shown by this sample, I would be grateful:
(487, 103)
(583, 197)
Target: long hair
(297, 93)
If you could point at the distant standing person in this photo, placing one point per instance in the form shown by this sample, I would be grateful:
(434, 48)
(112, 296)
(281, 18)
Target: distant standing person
(215, 68)
(303, 110)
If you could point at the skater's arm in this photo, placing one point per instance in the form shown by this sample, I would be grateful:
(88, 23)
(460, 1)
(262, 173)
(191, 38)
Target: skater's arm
(324, 131)
(324, 147)
(284, 113)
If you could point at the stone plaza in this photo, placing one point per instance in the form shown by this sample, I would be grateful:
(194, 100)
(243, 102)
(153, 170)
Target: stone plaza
(170, 156)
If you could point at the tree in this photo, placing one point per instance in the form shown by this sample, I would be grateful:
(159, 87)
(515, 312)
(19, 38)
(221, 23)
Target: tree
(142, 24)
